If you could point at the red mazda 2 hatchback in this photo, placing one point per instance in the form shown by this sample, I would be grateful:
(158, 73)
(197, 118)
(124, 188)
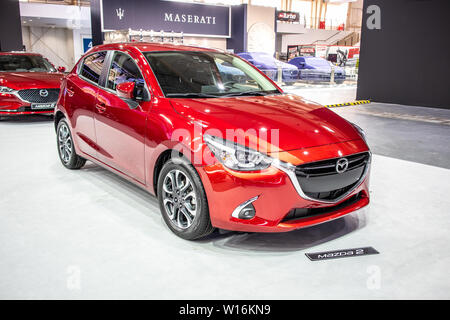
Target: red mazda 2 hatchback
(216, 141)
(29, 84)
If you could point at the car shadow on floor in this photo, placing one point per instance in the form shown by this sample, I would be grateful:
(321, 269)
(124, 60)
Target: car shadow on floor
(25, 119)
(296, 240)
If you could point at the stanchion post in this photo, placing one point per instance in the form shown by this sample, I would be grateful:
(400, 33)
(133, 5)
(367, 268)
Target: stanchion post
(280, 76)
(332, 75)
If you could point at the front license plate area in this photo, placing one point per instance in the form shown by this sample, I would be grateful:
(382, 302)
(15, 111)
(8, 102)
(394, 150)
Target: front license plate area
(42, 106)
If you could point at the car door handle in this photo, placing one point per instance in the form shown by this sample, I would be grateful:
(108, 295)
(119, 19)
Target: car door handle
(70, 92)
(100, 107)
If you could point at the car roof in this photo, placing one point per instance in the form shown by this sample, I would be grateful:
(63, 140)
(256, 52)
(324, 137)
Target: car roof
(260, 53)
(152, 46)
(19, 53)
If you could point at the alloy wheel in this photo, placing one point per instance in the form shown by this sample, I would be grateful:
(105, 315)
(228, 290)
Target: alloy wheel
(65, 143)
(179, 199)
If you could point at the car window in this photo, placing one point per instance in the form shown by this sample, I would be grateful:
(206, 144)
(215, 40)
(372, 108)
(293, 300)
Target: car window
(206, 74)
(24, 63)
(92, 66)
(123, 69)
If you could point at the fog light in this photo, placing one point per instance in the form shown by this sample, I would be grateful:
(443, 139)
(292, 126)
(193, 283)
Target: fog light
(245, 210)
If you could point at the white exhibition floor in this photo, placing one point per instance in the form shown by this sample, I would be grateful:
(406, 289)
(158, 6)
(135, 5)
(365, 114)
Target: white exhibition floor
(89, 234)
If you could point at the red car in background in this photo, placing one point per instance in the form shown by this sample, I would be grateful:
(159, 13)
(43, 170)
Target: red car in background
(29, 84)
(218, 152)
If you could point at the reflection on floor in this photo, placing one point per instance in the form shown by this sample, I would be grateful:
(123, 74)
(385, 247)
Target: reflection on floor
(405, 132)
(89, 234)
(328, 95)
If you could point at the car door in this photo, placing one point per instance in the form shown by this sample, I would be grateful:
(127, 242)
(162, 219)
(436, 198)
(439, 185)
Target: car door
(120, 125)
(80, 98)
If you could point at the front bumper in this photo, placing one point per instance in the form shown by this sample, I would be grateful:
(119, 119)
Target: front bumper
(11, 105)
(277, 196)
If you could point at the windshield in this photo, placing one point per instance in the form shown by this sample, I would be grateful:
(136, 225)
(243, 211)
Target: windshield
(24, 63)
(318, 62)
(206, 75)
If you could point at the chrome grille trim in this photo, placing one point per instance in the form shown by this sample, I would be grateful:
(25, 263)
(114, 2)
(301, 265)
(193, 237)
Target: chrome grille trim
(289, 169)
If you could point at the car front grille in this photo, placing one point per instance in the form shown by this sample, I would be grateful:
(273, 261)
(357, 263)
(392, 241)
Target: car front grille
(38, 96)
(320, 180)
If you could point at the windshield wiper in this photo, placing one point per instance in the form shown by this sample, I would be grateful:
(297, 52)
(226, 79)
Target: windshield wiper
(190, 95)
(249, 93)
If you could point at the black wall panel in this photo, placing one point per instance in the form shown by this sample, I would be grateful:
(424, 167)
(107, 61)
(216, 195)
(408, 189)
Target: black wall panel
(96, 23)
(407, 60)
(10, 26)
(238, 40)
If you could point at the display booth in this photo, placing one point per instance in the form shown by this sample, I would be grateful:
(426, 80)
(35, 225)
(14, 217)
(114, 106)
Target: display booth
(237, 28)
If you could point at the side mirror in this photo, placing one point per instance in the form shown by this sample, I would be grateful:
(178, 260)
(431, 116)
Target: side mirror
(61, 69)
(125, 90)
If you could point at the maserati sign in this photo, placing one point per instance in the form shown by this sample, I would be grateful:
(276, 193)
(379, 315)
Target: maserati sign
(183, 18)
(157, 15)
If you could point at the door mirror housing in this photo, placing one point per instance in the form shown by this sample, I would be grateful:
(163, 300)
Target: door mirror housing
(125, 90)
(61, 69)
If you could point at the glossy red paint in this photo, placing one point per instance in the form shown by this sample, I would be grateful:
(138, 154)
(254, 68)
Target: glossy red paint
(125, 90)
(12, 103)
(130, 141)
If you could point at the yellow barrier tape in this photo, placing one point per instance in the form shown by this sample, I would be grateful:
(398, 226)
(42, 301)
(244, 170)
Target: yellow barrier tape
(355, 103)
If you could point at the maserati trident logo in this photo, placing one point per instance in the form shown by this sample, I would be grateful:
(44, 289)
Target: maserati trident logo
(120, 12)
(341, 165)
(43, 93)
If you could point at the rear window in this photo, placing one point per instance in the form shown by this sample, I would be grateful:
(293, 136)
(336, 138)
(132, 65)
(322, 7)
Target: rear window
(92, 66)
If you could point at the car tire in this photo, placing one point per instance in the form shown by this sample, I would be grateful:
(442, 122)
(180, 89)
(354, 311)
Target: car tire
(66, 148)
(182, 200)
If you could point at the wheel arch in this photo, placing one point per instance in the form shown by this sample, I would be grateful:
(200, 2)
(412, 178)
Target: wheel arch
(58, 116)
(165, 156)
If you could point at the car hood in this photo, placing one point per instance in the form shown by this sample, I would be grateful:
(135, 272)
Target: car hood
(27, 80)
(300, 123)
(285, 65)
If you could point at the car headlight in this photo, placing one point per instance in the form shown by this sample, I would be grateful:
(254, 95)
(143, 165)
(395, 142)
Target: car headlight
(362, 133)
(235, 156)
(5, 89)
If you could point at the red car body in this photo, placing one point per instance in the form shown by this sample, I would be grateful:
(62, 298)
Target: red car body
(25, 97)
(133, 142)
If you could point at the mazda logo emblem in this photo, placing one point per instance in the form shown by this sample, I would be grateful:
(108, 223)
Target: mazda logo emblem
(341, 165)
(43, 93)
